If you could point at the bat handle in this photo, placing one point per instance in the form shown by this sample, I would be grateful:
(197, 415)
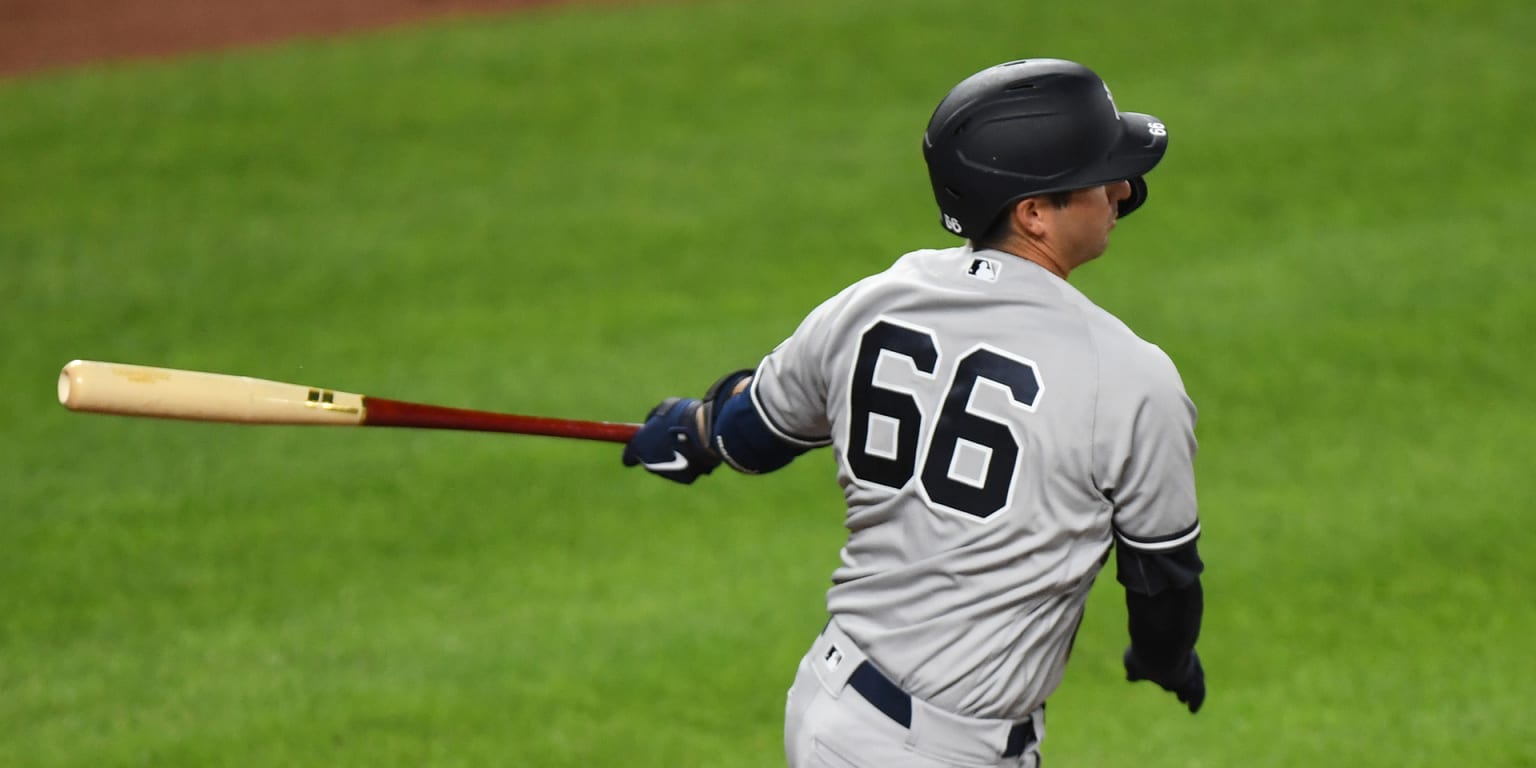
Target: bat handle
(382, 412)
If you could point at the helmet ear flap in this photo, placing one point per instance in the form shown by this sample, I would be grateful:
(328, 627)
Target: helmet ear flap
(1138, 196)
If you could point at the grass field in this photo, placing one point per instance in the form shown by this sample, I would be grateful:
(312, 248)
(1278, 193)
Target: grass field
(578, 212)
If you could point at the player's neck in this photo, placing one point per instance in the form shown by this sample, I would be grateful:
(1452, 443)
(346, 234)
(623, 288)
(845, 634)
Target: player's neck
(1032, 251)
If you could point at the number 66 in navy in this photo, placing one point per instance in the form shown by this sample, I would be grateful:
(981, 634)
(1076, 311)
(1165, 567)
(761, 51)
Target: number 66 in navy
(988, 444)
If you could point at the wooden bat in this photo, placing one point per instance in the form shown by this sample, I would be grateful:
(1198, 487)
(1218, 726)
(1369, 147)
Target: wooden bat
(169, 393)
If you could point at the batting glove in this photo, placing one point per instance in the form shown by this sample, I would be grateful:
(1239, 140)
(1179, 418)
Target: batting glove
(1185, 680)
(669, 443)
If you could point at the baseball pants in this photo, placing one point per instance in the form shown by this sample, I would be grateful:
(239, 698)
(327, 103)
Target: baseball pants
(829, 723)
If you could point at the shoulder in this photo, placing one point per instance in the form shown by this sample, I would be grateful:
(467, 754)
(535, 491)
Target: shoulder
(925, 265)
(912, 274)
(1133, 374)
(1120, 350)
(825, 328)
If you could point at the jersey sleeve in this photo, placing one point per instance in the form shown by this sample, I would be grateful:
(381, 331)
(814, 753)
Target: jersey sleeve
(1144, 451)
(790, 387)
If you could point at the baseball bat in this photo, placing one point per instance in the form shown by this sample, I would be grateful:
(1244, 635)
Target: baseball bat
(170, 393)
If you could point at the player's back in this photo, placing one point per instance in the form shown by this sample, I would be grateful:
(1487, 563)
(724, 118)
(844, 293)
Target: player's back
(961, 396)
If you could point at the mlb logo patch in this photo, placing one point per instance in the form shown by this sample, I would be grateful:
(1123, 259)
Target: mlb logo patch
(984, 269)
(833, 658)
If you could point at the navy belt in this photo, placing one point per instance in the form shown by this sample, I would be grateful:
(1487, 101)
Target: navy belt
(878, 690)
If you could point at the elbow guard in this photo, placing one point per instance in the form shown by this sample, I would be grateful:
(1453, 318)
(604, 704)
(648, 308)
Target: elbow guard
(1164, 627)
(744, 441)
(1150, 571)
(1164, 601)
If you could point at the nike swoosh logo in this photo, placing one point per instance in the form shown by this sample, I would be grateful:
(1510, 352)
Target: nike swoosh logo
(677, 462)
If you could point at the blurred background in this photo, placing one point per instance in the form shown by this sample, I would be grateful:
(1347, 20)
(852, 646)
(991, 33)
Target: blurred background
(576, 210)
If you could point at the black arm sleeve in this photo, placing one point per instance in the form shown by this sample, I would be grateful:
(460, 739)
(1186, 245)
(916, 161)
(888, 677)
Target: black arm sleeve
(1164, 602)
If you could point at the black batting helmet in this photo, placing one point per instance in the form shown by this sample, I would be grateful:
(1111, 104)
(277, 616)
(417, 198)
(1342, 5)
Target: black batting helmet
(1028, 128)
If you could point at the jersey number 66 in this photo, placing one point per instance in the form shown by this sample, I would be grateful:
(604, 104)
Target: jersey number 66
(957, 424)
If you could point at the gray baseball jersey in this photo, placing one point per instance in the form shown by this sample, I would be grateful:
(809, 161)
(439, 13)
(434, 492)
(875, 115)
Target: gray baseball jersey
(994, 432)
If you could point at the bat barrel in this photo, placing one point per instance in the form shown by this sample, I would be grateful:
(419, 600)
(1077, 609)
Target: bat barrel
(168, 393)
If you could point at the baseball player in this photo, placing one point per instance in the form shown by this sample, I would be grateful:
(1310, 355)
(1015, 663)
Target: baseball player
(996, 434)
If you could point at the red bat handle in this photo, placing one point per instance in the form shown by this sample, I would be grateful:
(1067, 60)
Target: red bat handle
(396, 413)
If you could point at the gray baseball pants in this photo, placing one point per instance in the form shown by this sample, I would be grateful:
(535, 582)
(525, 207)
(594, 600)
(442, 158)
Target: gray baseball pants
(828, 724)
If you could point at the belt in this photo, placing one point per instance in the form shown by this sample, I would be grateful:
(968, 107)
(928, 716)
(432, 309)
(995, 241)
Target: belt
(878, 690)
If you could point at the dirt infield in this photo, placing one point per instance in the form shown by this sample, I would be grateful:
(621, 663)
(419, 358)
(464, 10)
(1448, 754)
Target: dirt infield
(48, 34)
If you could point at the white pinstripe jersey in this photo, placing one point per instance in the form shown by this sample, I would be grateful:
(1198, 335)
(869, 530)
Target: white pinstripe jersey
(994, 432)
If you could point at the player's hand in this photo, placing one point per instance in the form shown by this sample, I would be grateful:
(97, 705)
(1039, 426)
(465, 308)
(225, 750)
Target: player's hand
(670, 444)
(1185, 680)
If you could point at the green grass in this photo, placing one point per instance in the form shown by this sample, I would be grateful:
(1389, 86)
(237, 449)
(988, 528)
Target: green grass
(577, 212)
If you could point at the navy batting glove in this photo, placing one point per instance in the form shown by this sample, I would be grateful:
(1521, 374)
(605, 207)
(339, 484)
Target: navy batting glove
(1185, 680)
(669, 443)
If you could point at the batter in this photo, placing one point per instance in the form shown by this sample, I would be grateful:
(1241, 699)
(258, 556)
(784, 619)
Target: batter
(997, 435)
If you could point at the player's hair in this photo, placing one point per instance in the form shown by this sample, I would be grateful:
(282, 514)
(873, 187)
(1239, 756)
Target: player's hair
(1002, 226)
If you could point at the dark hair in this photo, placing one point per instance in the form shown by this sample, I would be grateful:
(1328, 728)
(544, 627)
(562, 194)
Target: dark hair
(998, 231)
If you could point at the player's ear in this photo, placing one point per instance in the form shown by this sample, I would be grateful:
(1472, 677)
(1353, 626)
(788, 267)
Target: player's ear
(1029, 217)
